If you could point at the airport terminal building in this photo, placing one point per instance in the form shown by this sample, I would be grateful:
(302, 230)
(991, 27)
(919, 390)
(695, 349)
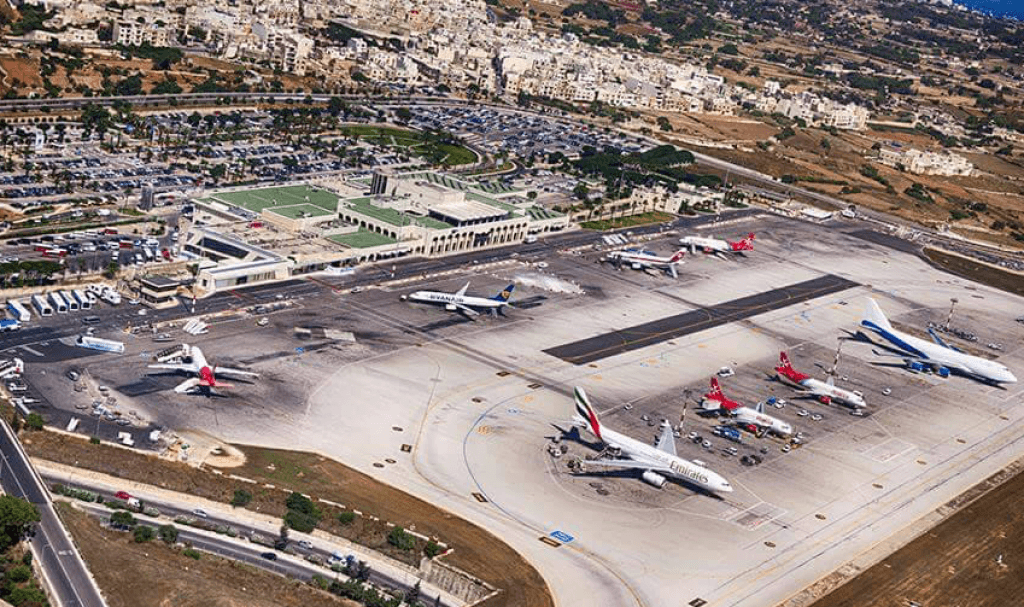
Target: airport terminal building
(246, 236)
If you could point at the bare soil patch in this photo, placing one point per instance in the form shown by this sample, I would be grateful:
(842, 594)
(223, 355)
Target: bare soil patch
(956, 563)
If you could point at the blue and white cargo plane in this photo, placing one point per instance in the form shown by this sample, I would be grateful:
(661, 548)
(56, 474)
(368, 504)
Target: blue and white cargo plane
(460, 302)
(935, 355)
(656, 463)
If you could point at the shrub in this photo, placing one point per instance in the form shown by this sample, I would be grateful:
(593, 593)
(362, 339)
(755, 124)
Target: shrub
(432, 549)
(300, 521)
(241, 498)
(400, 539)
(168, 533)
(95, 440)
(18, 574)
(34, 421)
(122, 519)
(143, 534)
(192, 553)
(347, 518)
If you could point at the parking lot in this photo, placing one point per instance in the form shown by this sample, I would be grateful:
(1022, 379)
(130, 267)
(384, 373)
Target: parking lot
(498, 131)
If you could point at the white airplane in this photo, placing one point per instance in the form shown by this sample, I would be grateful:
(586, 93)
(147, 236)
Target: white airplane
(825, 391)
(755, 419)
(194, 363)
(920, 354)
(460, 302)
(717, 246)
(657, 463)
(639, 259)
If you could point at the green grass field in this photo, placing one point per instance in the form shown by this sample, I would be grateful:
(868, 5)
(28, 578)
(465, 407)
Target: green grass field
(626, 222)
(362, 239)
(283, 196)
(299, 210)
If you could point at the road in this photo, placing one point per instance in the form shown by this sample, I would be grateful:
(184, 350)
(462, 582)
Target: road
(239, 548)
(51, 544)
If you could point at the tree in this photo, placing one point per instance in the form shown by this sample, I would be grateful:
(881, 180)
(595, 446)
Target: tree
(143, 534)
(400, 539)
(16, 518)
(241, 498)
(432, 549)
(282, 538)
(581, 191)
(302, 515)
(111, 270)
(122, 519)
(34, 421)
(168, 533)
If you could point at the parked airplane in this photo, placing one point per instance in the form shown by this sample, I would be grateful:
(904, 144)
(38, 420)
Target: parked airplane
(753, 419)
(460, 302)
(657, 463)
(825, 391)
(938, 356)
(717, 246)
(194, 363)
(639, 259)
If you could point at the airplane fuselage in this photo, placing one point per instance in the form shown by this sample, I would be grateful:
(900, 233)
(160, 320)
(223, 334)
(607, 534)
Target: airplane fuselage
(746, 415)
(681, 469)
(941, 356)
(823, 389)
(707, 244)
(452, 300)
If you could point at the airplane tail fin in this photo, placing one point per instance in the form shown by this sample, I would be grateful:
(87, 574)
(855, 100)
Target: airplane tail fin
(505, 294)
(678, 256)
(716, 390)
(784, 361)
(584, 410)
(744, 245)
(874, 318)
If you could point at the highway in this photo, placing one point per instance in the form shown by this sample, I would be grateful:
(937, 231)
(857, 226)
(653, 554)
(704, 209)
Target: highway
(51, 544)
(240, 548)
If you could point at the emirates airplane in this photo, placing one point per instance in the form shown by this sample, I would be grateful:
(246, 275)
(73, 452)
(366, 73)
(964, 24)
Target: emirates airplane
(656, 463)
(193, 362)
(460, 302)
(825, 391)
(753, 419)
(640, 259)
(717, 246)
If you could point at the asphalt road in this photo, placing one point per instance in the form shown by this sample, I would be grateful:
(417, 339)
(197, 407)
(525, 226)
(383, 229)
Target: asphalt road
(608, 344)
(51, 543)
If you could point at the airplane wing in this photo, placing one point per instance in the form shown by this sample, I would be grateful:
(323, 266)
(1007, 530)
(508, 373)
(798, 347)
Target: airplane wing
(629, 464)
(466, 310)
(230, 371)
(187, 385)
(938, 340)
(924, 361)
(171, 366)
(667, 442)
(463, 290)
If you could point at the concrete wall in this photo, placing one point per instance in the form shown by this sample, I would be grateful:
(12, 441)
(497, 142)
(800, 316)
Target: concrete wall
(455, 581)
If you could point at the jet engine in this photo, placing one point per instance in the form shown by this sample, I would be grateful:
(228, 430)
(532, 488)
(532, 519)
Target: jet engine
(654, 479)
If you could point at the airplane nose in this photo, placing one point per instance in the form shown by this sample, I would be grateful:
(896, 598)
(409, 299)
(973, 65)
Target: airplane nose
(1009, 378)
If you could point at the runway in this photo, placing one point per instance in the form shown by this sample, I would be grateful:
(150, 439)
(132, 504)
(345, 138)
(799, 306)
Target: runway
(632, 338)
